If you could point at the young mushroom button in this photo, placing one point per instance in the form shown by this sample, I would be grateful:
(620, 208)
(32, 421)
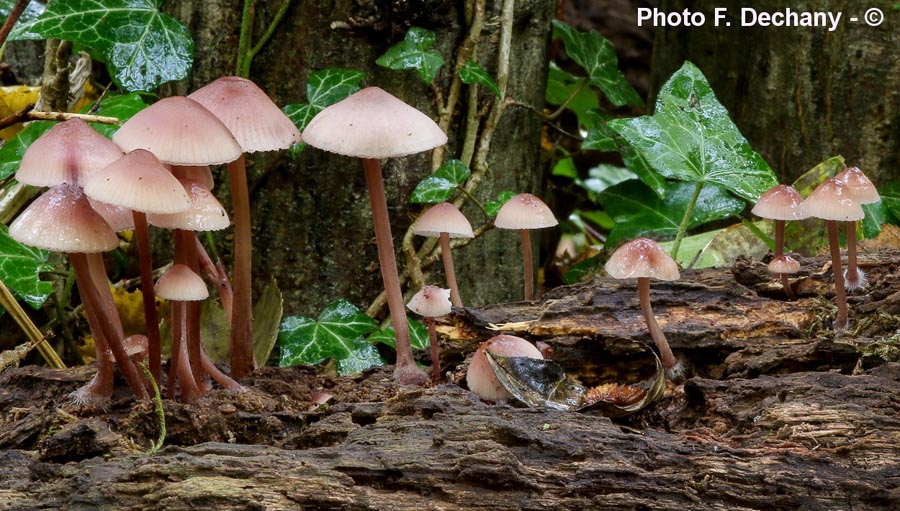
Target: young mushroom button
(525, 212)
(444, 221)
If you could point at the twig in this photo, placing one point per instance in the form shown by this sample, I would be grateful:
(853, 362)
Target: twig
(65, 116)
(31, 331)
(248, 58)
(14, 14)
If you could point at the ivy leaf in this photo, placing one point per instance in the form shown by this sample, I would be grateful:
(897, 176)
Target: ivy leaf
(335, 334)
(120, 106)
(361, 357)
(890, 197)
(599, 137)
(597, 56)
(472, 72)
(439, 187)
(142, 47)
(493, 206)
(32, 10)
(604, 176)
(323, 88)
(414, 52)
(874, 219)
(561, 86)
(637, 211)
(12, 151)
(20, 268)
(418, 336)
(691, 138)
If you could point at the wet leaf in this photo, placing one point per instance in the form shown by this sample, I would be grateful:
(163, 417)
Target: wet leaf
(597, 56)
(120, 106)
(20, 268)
(637, 211)
(141, 46)
(691, 138)
(614, 394)
(604, 176)
(537, 382)
(267, 311)
(474, 73)
(599, 137)
(418, 336)
(32, 10)
(414, 52)
(719, 248)
(561, 86)
(493, 206)
(872, 222)
(334, 334)
(890, 197)
(439, 187)
(360, 357)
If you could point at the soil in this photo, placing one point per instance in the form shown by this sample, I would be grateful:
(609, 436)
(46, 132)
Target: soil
(777, 412)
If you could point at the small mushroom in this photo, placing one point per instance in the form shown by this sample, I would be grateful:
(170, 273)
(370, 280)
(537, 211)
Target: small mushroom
(480, 377)
(833, 202)
(444, 221)
(643, 259)
(525, 212)
(780, 203)
(864, 192)
(432, 302)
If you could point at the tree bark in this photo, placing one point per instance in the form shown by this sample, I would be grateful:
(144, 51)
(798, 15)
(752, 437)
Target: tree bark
(799, 94)
(312, 227)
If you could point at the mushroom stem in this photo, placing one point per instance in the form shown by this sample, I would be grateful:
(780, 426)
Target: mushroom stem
(405, 370)
(855, 278)
(92, 294)
(447, 257)
(221, 378)
(145, 261)
(527, 265)
(185, 253)
(180, 368)
(840, 294)
(102, 385)
(435, 352)
(779, 251)
(216, 273)
(242, 362)
(665, 352)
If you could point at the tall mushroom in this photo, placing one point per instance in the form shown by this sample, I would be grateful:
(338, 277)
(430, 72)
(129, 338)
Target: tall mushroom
(525, 212)
(432, 302)
(833, 202)
(643, 259)
(258, 125)
(372, 124)
(780, 203)
(444, 221)
(864, 191)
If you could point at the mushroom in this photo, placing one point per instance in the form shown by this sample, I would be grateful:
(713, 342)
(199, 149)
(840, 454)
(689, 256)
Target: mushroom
(864, 192)
(833, 201)
(69, 152)
(643, 259)
(62, 220)
(139, 182)
(373, 124)
(258, 125)
(525, 212)
(444, 221)
(181, 285)
(780, 203)
(432, 302)
(480, 377)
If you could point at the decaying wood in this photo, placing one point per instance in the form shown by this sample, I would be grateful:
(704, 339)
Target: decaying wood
(780, 413)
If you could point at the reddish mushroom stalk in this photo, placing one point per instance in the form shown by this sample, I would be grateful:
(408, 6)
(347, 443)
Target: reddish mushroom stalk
(242, 362)
(449, 270)
(527, 264)
(840, 294)
(855, 278)
(435, 351)
(145, 261)
(665, 352)
(779, 251)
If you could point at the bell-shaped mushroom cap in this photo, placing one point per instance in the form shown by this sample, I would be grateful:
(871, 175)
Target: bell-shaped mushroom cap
(199, 173)
(524, 211)
(205, 214)
(179, 131)
(781, 202)
(642, 257)
(784, 264)
(480, 377)
(138, 181)
(62, 220)
(70, 152)
(430, 302)
(443, 217)
(860, 186)
(254, 120)
(373, 124)
(119, 218)
(833, 200)
(180, 283)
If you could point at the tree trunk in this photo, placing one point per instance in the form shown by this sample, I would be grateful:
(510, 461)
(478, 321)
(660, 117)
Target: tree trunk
(311, 222)
(799, 94)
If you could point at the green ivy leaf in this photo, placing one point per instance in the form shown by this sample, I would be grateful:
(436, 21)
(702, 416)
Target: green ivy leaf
(691, 138)
(493, 206)
(890, 197)
(32, 10)
(597, 56)
(599, 137)
(414, 52)
(418, 336)
(439, 187)
(874, 219)
(120, 106)
(142, 47)
(561, 86)
(474, 73)
(335, 334)
(638, 212)
(604, 176)
(20, 268)
(12, 151)
(720, 247)
(361, 357)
